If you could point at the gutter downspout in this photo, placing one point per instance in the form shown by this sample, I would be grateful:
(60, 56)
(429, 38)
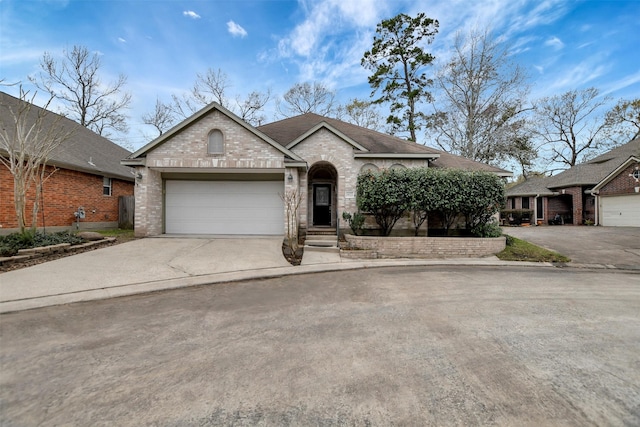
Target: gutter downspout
(535, 203)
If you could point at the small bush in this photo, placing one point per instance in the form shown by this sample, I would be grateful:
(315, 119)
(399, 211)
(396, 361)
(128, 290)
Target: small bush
(356, 221)
(515, 216)
(489, 229)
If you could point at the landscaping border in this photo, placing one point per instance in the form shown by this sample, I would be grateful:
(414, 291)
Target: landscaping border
(421, 247)
(31, 253)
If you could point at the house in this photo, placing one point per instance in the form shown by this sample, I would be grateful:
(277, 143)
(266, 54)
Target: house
(604, 191)
(84, 172)
(215, 174)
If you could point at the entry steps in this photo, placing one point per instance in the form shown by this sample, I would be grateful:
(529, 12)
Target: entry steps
(321, 243)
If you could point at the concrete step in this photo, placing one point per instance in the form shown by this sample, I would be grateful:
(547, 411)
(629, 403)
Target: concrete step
(333, 249)
(321, 242)
(321, 237)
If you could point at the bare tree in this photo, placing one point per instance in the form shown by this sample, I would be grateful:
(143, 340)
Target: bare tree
(251, 108)
(361, 113)
(481, 96)
(27, 138)
(161, 118)
(74, 80)
(570, 127)
(623, 121)
(307, 97)
(213, 86)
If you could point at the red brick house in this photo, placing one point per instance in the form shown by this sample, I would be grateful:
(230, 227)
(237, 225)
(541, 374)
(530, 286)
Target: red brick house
(604, 191)
(86, 172)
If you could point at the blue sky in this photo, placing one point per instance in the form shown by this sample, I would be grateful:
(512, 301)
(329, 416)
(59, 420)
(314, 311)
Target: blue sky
(273, 44)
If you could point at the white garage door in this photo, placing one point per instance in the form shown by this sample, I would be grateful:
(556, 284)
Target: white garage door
(224, 207)
(621, 211)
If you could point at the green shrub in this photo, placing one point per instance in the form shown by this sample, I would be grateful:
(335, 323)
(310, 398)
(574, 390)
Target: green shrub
(356, 221)
(489, 229)
(12, 243)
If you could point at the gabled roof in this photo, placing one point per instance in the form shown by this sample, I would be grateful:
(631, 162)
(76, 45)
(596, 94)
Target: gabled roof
(631, 160)
(84, 150)
(289, 131)
(589, 173)
(197, 116)
(596, 169)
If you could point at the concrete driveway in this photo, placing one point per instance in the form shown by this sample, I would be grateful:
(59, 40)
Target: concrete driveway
(409, 346)
(616, 246)
(142, 261)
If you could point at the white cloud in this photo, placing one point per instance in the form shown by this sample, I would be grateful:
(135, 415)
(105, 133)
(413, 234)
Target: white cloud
(121, 40)
(191, 14)
(554, 42)
(236, 30)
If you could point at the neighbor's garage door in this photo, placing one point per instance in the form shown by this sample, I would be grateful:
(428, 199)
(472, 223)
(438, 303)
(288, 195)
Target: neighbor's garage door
(224, 207)
(621, 211)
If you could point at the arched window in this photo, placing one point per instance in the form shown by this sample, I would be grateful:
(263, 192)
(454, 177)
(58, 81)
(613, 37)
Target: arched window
(216, 142)
(397, 166)
(369, 167)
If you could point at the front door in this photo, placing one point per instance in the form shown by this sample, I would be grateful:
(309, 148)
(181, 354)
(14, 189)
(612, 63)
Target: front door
(322, 204)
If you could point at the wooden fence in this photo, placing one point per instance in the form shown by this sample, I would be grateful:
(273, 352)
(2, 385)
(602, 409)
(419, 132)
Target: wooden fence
(126, 206)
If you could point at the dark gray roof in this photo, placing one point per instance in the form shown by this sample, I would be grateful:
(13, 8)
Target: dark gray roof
(288, 130)
(587, 174)
(84, 151)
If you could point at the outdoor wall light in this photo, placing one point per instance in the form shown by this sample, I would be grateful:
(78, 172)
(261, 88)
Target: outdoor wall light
(290, 177)
(139, 176)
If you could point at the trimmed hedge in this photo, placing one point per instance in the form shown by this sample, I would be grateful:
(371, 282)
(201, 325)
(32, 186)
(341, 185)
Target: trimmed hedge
(390, 193)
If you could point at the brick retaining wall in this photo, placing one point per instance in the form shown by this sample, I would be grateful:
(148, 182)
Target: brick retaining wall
(424, 247)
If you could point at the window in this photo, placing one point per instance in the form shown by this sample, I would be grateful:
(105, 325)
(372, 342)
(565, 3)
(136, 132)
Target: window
(106, 186)
(525, 203)
(513, 203)
(216, 142)
(369, 167)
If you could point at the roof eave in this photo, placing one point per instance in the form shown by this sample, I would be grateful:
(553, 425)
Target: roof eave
(366, 155)
(330, 128)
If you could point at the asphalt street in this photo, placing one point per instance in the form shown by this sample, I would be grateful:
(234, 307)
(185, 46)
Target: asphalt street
(437, 345)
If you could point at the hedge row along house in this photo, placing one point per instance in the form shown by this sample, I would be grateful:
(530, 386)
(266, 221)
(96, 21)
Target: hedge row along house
(83, 172)
(215, 174)
(601, 191)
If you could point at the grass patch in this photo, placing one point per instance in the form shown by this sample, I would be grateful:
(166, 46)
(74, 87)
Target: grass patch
(118, 233)
(520, 250)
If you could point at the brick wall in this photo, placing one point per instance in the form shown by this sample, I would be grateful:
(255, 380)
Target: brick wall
(623, 183)
(427, 247)
(64, 191)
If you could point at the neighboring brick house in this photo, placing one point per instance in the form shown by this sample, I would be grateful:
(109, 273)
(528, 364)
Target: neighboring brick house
(215, 174)
(84, 171)
(604, 190)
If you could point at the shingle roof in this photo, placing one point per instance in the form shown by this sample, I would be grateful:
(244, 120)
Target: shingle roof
(84, 151)
(584, 174)
(288, 130)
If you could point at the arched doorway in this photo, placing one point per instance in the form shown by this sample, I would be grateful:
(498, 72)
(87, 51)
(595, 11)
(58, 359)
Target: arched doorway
(322, 179)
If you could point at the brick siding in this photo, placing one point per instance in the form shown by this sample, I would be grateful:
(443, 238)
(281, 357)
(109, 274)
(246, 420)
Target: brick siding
(425, 247)
(64, 191)
(623, 183)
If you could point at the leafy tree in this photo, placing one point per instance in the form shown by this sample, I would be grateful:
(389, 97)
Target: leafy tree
(28, 136)
(423, 194)
(623, 121)
(307, 97)
(74, 80)
(483, 197)
(384, 195)
(481, 95)
(570, 127)
(398, 63)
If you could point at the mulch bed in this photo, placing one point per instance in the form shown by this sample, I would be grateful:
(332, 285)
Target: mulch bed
(16, 265)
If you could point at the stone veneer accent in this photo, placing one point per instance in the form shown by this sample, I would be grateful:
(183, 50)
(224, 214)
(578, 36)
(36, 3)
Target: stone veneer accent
(422, 247)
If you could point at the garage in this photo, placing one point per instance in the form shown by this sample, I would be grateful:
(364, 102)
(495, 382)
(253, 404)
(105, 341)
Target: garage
(224, 207)
(621, 211)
